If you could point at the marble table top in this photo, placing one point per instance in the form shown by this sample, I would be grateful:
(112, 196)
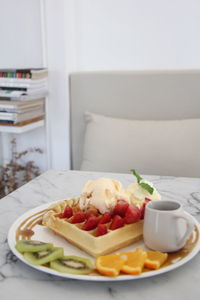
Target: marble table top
(19, 281)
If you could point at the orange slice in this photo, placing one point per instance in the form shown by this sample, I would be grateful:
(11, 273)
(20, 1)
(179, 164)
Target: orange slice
(155, 259)
(109, 265)
(134, 261)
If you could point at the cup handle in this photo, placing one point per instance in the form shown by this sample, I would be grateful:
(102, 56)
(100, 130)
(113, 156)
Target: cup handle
(189, 229)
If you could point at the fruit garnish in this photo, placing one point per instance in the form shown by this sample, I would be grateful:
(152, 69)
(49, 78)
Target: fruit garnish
(43, 257)
(155, 259)
(105, 218)
(144, 185)
(117, 222)
(90, 223)
(73, 265)
(120, 208)
(91, 212)
(109, 265)
(68, 212)
(78, 217)
(134, 261)
(142, 208)
(32, 246)
(101, 229)
(147, 200)
(132, 215)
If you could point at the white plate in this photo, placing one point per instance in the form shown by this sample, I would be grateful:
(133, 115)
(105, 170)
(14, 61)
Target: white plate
(42, 233)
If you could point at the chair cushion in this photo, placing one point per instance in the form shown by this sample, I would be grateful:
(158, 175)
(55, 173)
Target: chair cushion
(169, 147)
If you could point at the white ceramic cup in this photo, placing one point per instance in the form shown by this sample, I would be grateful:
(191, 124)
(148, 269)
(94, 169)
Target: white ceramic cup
(166, 226)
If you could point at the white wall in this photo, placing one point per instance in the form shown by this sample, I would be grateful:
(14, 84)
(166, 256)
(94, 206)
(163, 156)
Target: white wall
(20, 33)
(132, 34)
(88, 35)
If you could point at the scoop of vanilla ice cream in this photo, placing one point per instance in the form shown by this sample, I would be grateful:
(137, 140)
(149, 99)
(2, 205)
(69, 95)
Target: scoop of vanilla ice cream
(102, 193)
(138, 194)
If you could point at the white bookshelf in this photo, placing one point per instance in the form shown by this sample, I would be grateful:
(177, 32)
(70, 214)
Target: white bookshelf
(21, 129)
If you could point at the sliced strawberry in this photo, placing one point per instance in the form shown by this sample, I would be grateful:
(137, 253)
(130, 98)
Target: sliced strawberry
(90, 223)
(120, 208)
(68, 212)
(117, 222)
(142, 209)
(105, 218)
(101, 229)
(78, 217)
(91, 212)
(147, 200)
(132, 215)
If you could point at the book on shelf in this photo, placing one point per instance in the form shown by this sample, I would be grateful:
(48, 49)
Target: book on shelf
(33, 73)
(22, 83)
(13, 117)
(20, 95)
(22, 98)
(26, 90)
(18, 106)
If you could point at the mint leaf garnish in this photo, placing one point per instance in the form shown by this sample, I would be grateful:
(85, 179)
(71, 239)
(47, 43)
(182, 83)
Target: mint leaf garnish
(144, 185)
(147, 187)
(138, 177)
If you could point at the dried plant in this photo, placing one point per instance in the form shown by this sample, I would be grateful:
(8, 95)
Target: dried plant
(16, 173)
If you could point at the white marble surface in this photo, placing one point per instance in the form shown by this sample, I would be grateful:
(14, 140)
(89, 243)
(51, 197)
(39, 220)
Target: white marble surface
(19, 281)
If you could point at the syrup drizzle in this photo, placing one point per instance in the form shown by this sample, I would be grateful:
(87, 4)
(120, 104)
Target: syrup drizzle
(25, 229)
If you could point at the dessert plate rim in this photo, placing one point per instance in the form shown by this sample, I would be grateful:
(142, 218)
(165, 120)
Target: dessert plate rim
(12, 241)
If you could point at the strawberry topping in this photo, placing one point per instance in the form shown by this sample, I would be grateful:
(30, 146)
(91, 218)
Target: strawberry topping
(142, 209)
(117, 222)
(78, 217)
(101, 229)
(147, 200)
(90, 223)
(132, 215)
(120, 208)
(68, 212)
(105, 218)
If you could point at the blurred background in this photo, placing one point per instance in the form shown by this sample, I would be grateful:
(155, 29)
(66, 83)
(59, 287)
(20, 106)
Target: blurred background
(88, 35)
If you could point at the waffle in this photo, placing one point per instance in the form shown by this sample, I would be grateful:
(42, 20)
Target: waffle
(86, 240)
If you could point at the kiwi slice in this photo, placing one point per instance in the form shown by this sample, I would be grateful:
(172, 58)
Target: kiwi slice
(72, 265)
(32, 246)
(43, 257)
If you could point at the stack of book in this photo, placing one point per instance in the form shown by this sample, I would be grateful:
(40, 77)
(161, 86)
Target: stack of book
(22, 95)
